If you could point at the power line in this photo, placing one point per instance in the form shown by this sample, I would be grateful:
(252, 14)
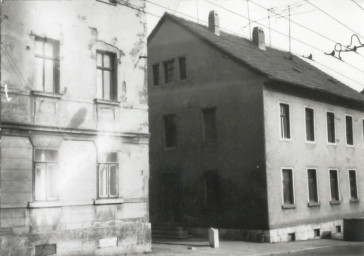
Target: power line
(322, 52)
(298, 40)
(332, 17)
(357, 5)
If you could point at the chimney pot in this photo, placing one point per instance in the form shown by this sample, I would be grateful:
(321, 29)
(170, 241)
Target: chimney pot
(214, 24)
(259, 38)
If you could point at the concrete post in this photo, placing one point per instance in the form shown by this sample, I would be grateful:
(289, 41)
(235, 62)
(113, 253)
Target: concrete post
(214, 237)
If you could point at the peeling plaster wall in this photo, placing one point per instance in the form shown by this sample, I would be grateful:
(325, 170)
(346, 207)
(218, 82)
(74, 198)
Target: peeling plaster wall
(80, 128)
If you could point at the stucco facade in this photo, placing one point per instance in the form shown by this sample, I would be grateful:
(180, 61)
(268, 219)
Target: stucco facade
(249, 154)
(235, 92)
(91, 205)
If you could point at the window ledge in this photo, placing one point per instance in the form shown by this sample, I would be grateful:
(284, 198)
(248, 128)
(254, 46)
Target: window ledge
(288, 206)
(46, 94)
(335, 202)
(107, 102)
(44, 204)
(109, 201)
(313, 204)
(354, 201)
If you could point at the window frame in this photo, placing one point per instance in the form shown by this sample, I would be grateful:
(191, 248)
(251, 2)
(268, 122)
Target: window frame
(213, 175)
(353, 200)
(204, 137)
(293, 204)
(313, 125)
(165, 69)
(114, 75)
(47, 163)
(280, 121)
(327, 128)
(352, 130)
(165, 131)
(309, 202)
(56, 63)
(108, 164)
(362, 130)
(332, 201)
(185, 68)
(153, 74)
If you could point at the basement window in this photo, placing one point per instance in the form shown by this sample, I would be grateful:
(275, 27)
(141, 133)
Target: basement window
(46, 65)
(108, 175)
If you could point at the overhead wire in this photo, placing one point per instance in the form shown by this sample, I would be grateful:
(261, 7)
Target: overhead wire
(357, 5)
(332, 17)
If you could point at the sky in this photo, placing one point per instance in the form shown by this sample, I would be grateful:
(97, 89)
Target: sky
(312, 30)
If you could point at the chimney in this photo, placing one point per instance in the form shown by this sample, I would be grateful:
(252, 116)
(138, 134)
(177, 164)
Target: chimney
(259, 38)
(214, 24)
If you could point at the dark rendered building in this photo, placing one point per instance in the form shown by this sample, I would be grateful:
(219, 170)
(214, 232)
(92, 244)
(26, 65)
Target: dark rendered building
(249, 139)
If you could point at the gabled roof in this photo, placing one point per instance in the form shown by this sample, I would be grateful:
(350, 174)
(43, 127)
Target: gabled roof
(276, 64)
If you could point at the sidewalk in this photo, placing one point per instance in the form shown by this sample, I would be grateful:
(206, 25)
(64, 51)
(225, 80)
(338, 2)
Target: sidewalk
(201, 247)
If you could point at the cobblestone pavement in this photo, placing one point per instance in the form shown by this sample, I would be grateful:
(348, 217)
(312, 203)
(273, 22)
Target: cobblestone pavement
(201, 247)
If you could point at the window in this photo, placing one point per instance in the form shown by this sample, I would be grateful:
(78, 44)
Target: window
(169, 71)
(353, 185)
(108, 175)
(46, 170)
(170, 131)
(106, 76)
(349, 130)
(210, 187)
(46, 65)
(288, 197)
(182, 68)
(312, 186)
(363, 129)
(334, 185)
(310, 128)
(330, 127)
(209, 125)
(285, 122)
(156, 74)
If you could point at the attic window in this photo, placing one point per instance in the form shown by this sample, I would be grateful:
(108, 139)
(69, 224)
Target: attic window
(331, 80)
(297, 70)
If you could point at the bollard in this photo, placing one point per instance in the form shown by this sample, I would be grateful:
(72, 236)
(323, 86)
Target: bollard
(214, 237)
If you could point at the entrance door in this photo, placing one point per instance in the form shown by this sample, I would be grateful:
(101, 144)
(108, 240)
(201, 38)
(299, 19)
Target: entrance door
(171, 197)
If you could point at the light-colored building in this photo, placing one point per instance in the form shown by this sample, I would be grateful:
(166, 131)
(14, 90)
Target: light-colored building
(74, 128)
(249, 139)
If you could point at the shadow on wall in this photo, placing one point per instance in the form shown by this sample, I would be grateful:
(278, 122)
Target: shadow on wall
(78, 118)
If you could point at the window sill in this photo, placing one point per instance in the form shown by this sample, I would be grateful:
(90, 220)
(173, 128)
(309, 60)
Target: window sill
(288, 206)
(313, 204)
(109, 201)
(46, 94)
(354, 201)
(335, 202)
(107, 102)
(44, 204)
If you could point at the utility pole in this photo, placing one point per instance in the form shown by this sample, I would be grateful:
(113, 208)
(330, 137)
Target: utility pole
(289, 27)
(270, 35)
(250, 30)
